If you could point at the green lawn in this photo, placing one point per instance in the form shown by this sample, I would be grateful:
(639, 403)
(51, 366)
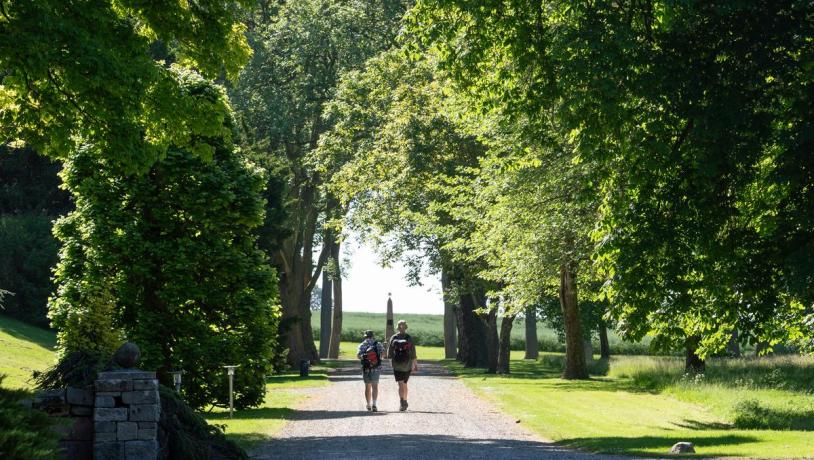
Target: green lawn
(23, 349)
(283, 393)
(645, 405)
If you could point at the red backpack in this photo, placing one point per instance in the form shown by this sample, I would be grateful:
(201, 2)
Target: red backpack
(370, 357)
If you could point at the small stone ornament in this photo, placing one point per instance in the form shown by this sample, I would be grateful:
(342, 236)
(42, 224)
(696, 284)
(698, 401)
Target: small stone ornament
(127, 356)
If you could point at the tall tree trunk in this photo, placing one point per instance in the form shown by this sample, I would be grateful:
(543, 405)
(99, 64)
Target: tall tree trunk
(761, 348)
(325, 315)
(693, 363)
(492, 340)
(532, 344)
(604, 345)
(294, 260)
(450, 339)
(575, 367)
(336, 328)
(504, 355)
(588, 350)
(734, 346)
(471, 333)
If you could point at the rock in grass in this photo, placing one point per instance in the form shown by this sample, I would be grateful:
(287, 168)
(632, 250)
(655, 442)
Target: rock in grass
(683, 448)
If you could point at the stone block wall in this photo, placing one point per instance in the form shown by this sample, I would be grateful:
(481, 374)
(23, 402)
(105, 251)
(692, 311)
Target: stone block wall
(74, 407)
(125, 416)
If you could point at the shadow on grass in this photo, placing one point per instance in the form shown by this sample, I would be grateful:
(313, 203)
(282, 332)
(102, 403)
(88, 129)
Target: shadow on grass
(705, 446)
(289, 378)
(545, 373)
(409, 446)
(19, 330)
(268, 413)
(752, 415)
(699, 425)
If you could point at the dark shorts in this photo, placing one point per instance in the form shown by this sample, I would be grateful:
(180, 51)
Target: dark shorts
(402, 376)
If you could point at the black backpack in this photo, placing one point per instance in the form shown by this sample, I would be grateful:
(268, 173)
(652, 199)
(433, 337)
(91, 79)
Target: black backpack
(401, 349)
(371, 358)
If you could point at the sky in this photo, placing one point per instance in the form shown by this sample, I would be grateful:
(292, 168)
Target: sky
(366, 284)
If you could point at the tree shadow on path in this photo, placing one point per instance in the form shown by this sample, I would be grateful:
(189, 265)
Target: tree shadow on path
(414, 447)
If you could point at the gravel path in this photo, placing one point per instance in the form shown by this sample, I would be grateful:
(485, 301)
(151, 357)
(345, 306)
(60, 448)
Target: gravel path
(445, 420)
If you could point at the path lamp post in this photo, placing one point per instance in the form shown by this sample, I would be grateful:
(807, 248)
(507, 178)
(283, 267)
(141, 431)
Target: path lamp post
(231, 371)
(176, 380)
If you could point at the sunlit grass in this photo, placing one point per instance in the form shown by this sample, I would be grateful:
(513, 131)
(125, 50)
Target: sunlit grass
(24, 349)
(283, 393)
(646, 404)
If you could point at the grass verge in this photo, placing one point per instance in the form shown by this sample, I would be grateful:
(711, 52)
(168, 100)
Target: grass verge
(24, 349)
(645, 405)
(283, 393)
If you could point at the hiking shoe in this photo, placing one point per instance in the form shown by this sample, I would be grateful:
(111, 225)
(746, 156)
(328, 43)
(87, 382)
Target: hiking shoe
(374, 409)
(403, 405)
(368, 407)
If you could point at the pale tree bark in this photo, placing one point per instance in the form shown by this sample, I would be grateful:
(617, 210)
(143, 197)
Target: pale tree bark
(504, 353)
(450, 339)
(532, 344)
(336, 327)
(325, 318)
(575, 367)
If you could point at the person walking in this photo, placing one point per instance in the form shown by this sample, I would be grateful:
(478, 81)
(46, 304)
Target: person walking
(370, 353)
(402, 354)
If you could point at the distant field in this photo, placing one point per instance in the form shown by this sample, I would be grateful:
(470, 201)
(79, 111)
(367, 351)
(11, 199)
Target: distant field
(429, 330)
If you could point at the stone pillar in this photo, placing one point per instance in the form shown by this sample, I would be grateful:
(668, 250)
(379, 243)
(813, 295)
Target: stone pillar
(75, 408)
(125, 416)
(388, 329)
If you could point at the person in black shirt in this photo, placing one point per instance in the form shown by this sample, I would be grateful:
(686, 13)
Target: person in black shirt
(402, 354)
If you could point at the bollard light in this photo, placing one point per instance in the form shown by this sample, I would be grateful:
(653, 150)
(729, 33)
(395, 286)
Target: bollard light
(230, 370)
(176, 380)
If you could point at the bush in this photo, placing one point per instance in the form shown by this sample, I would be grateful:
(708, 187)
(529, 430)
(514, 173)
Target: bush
(169, 260)
(185, 435)
(75, 369)
(25, 433)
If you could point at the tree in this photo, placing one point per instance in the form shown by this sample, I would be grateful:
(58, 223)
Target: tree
(30, 199)
(169, 260)
(74, 74)
(300, 51)
(397, 144)
(532, 344)
(686, 110)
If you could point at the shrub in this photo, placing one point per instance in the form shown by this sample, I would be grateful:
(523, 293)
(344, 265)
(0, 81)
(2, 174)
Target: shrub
(75, 369)
(169, 260)
(25, 433)
(185, 435)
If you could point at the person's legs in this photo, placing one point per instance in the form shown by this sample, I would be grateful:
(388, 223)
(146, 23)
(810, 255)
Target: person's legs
(368, 388)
